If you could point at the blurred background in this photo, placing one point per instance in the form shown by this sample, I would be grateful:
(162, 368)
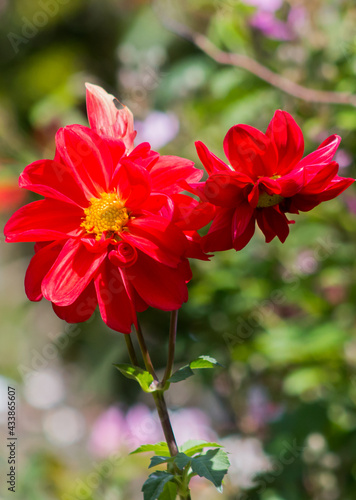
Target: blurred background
(279, 318)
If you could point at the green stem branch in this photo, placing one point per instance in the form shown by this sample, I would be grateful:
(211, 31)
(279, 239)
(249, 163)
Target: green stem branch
(131, 350)
(145, 354)
(171, 347)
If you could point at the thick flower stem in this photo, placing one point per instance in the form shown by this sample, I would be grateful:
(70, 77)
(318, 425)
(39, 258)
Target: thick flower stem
(162, 410)
(171, 347)
(131, 350)
(165, 422)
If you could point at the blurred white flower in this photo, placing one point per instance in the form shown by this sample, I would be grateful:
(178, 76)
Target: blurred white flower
(158, 129)
(44, 389)
(64, 426)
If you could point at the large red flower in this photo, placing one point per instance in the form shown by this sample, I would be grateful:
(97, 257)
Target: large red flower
(108, 230)
(267, 178)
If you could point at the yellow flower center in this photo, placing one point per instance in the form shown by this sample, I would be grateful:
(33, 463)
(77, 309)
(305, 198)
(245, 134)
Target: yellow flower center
(268, 200)
(105, 214)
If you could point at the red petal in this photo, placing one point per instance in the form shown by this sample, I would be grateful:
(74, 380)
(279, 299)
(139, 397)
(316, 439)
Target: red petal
(321, 179)
(159, 286)
(273, 223)
(219, 237)
(39, 266)
(133, 184)
(212, 163)
(226, 189)
(168, 172)
(288, 138)
(82, 309)
(324, 153)
(241, 238)
(115, 304)
(54, 180)
(191, 214)
(241, 219)
(106, 119)
(88, 156)
(337, 186)
(143, 155)
(71, 273)
(250, 151)
(156, 237)
(291, 183)
(44, 220)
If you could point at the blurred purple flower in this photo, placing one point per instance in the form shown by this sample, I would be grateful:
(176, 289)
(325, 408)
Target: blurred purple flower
(158, 129)
(260, 409)
(343, 158)
(265, 20)
(108, 433)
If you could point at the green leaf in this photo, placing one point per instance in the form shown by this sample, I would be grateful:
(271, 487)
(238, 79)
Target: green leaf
(155, 483)
(213, 465)
(160, 448)
(194, 446)
(181, 374)
(204, 362)
(197, 364)
(181, 460)
(170, 491)
(158, 460)
(143, 377)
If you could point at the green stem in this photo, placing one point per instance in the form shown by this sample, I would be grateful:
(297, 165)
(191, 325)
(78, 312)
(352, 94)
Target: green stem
(145, 353)
(171, 346)
(131, 350)
(158, 395)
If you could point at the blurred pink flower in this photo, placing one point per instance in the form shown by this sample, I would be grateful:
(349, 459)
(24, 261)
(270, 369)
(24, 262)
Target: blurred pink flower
(272, 27)
(343, 158)
(142, 427)
(199, 425)
(109, 432)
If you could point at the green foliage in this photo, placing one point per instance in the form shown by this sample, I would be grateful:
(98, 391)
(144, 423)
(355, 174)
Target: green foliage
(157, 448)
(186, 371)
(194, 446)
(143, 377)
(155, 483)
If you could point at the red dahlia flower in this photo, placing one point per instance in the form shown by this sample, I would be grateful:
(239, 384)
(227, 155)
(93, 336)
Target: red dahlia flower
(108, 230)
(267, 178)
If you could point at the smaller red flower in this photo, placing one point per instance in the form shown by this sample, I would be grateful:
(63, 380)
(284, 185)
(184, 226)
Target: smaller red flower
(267, 179)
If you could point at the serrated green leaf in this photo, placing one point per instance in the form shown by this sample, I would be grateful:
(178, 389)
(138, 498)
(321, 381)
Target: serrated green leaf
(181, 460)
(194, 446)
(181, 374)
(186, 371)
(160, 448)
(203, 362)
(143, 377)
(170, 491)
(213, 465)
(158, 460)
(154, 485)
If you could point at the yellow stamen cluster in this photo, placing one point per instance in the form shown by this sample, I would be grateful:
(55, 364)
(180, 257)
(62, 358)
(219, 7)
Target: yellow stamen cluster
(268, 200)
(105, 214)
